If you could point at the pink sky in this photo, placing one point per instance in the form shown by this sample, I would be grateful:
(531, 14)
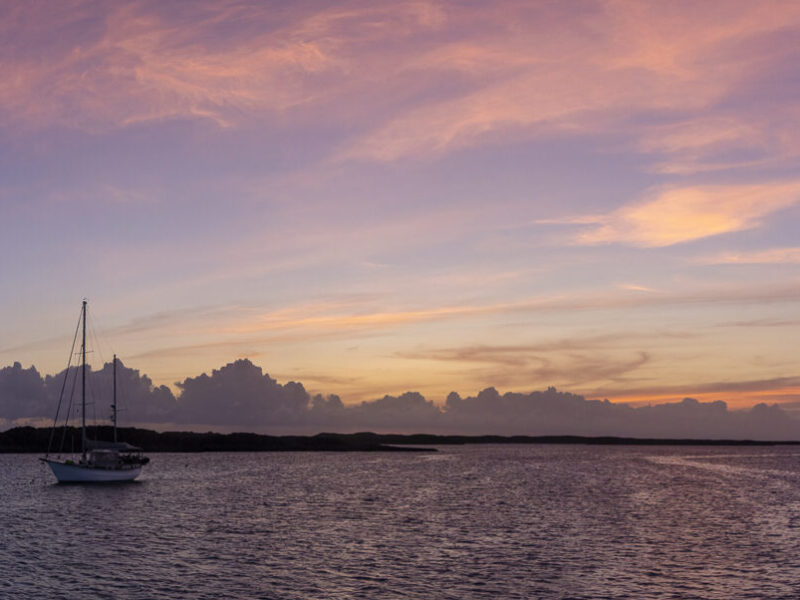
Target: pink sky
(372, 198)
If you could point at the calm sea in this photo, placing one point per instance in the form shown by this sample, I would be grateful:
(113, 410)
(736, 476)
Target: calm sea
(467, 522)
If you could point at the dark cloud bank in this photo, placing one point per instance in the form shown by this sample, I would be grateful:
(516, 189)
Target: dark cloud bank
(240, 397)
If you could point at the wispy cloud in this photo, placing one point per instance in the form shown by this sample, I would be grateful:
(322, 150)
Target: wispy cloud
(675, 215)
(789, 255)
(577, 362)
(321, 319)
(764, 322)
(175, 321)
(588, 71)
(635, 287)
(140, 66)
(359, 313)
(712, 142)
(500, 71)
(337, 317)
(227, 63)
(565, 363)
(517, 354)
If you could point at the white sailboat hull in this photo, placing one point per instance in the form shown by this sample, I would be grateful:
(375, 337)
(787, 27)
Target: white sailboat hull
(74, 473)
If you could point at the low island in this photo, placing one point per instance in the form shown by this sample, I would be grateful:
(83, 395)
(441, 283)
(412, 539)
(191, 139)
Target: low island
(35, 440)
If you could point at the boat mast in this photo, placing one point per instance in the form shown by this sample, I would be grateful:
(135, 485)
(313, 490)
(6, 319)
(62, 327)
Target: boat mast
(114, 405)
(83, 386)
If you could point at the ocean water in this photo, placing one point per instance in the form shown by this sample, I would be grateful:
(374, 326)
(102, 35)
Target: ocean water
(466, 522)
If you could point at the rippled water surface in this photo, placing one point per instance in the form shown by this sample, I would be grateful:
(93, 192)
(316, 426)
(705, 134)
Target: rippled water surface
(466, 522)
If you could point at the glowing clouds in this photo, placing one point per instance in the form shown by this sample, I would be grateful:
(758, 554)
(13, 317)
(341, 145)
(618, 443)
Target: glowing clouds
(677, 215)
(758, 257)
(343, 185)
(143, 66)
(458, 78)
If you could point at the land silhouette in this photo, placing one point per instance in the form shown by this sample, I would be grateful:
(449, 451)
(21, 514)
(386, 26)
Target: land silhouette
(34, 440)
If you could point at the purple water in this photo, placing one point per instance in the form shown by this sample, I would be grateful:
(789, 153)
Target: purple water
(466, 522)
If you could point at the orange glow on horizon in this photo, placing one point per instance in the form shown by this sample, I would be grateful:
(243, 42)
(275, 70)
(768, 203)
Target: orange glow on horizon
(736, 400)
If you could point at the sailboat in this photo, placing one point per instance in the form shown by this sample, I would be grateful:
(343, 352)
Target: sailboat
(100, 461)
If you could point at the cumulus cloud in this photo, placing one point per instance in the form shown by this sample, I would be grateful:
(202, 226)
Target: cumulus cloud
(240, 396)
(25, 394)
(407, 412)
(138, 398)
(552, 413)
(240, 393)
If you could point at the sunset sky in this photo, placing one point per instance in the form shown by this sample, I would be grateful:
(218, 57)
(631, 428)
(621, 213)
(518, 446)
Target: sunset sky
(371, 198)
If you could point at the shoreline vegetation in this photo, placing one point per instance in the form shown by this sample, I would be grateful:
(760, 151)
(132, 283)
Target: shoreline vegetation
(35, 440)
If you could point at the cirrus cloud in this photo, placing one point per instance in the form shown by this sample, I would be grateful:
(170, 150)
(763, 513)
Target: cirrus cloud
(757, 257)
(676, 215)
(458, 77)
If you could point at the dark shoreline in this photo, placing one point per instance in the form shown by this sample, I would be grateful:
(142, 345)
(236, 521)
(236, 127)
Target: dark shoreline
(35, 440)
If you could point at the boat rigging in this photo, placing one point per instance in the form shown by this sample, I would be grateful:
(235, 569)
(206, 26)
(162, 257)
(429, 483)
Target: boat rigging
(99, 461)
